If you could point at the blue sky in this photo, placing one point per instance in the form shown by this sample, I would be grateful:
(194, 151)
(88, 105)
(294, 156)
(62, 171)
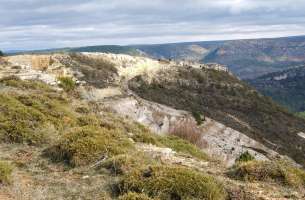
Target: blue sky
(38, 24)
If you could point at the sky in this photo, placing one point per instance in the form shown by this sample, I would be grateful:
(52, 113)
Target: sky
(41, 24)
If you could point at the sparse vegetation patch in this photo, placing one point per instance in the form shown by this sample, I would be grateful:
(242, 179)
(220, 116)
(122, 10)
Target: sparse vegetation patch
(98, 71)
(278, 171)
(6, 170)
(14, 81)
(245, 157)
(67, 83)
(182, 146)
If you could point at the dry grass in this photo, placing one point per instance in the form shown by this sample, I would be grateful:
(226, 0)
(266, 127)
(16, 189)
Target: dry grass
(188, 130)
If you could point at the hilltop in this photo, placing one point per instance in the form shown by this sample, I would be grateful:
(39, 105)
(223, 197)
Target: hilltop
(247, 59)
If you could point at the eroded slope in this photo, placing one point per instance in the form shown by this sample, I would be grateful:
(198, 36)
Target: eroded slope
(226, 99)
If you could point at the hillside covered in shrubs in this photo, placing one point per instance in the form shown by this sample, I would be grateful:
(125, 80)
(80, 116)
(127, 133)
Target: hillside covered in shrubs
(60, 132)
(57, 143)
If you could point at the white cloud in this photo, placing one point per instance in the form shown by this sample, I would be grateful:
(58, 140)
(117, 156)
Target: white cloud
(34, 24)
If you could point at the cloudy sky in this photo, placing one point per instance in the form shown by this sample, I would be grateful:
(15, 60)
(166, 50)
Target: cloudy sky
(38, 24)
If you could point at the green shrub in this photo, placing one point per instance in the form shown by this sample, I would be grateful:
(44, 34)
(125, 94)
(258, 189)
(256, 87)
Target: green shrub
(27, 116)
(136, 131)
(141, 133)
(23, 117)
(67, 83)
(182, 146)
(301, 114)
(278, 171)
(19, 123)
(122, 164)
(245, 157)
(55, 109)
(198, 117)
(135, 196)
(1, 54)
(84, 145)
(5, 172)
(167, 182)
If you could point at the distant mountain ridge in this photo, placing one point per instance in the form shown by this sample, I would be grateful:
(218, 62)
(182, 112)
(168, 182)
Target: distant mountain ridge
(116, 49)
(247, 59)
(286, 87)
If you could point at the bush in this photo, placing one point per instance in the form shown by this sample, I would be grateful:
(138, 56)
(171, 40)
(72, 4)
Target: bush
(198, 117)
(19, 123)
(5, 172)
(134, 196)
(67, 83)
(245, 157)
(27, 116)
(23, 117)
(1, 53)
(167, 182)
(278, 171)
(141, 133)
(182, 146)
(136, 131)
(123, 164)
(84, 145)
